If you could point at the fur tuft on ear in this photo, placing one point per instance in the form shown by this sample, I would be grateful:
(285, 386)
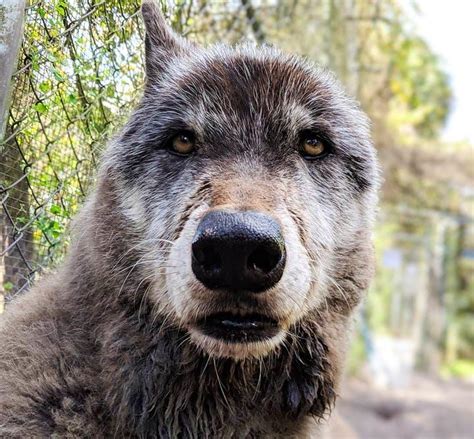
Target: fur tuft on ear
(161, 43)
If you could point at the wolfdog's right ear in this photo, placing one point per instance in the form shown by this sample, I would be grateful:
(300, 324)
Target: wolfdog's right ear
(161, 43)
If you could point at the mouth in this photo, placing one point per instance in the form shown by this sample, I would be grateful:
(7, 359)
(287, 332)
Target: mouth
(234, 328)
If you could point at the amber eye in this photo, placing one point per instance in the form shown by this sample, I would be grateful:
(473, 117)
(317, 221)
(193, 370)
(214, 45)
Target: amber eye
(312, 147)
(183, 143)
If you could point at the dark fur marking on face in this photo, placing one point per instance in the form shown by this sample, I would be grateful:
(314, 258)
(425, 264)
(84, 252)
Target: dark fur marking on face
(300, 224)
(357, 171)
(199, 195)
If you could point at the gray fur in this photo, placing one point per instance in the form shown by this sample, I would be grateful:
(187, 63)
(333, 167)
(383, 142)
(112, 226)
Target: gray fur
(104, 347)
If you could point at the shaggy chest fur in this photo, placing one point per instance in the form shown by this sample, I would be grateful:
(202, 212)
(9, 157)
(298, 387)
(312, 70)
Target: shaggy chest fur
(169, 389)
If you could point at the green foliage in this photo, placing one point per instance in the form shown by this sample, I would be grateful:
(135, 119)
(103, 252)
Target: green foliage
(8, 286)
(459, 369)
(419, 86)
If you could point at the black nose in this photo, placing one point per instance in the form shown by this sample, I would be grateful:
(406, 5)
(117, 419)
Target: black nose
(238, 251)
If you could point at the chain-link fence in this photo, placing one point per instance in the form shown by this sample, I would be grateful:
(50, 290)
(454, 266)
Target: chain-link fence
(79, 73)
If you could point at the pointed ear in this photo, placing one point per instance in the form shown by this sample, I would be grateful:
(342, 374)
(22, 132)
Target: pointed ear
(161, 43)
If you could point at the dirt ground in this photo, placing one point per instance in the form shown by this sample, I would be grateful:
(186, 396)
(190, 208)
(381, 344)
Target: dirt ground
(429, 408)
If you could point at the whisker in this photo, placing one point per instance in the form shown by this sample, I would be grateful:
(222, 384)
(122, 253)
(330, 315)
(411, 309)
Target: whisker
(221, 387)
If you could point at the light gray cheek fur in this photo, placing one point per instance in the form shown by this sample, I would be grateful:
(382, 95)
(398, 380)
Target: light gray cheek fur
(180, 281)
(292, 290)
(319, 244)
(156, 262)
(333, 222)
(133, 206)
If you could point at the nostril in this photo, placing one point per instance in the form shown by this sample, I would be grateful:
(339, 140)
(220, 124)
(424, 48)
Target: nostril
(207, 257)
(264, 259)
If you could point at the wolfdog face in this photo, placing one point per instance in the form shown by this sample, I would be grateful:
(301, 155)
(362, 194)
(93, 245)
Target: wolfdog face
(249, 178)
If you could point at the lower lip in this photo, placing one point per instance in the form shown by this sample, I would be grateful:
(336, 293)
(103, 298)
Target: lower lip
(238, 329)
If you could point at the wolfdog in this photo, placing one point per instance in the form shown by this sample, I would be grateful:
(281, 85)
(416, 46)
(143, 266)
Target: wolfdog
(215, 268)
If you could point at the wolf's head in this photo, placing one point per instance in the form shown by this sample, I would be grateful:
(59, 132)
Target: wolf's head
(248, 178)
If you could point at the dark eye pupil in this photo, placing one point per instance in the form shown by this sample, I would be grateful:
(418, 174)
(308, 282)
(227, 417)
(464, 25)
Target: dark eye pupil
(312, 141)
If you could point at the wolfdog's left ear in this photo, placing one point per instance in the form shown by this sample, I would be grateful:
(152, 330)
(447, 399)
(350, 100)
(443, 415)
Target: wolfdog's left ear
(161, 43)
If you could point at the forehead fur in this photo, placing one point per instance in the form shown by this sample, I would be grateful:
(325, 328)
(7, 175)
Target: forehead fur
(247, 79)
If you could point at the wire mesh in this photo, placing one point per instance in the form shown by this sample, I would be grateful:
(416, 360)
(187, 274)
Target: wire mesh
(74, 60)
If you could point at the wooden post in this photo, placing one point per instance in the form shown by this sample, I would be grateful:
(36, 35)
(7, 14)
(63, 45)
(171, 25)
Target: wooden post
(11, 31)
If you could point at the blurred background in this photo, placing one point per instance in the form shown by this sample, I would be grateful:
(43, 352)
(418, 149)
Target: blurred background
(71, 71)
